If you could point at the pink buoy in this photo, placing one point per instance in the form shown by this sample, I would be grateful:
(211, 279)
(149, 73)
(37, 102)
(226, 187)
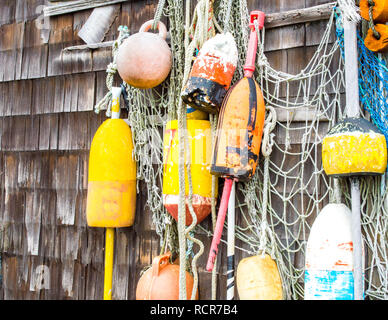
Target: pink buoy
(144, 59)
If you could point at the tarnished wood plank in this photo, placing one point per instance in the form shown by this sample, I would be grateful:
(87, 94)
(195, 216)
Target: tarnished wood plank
(28, 10)
(32, 220)
(296, 16)
(21, 96)
(13, 133)
(73, 6)
(86, 92)
(61, 33)
(31, 140)
(59, 94)
(34, 62)
(7, 14)
(285, 37)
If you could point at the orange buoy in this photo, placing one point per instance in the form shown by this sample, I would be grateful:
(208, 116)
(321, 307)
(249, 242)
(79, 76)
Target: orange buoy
(144, 59)
(161, 281)
(211, 74)
(379, 10)
(377, 44)
(239, 131)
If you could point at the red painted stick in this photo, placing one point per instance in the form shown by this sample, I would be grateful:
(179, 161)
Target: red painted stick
(220, 223)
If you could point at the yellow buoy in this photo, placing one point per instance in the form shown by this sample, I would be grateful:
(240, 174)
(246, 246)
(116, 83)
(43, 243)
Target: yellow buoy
(258, 278)
(354, 147)
(200, 146)
(111, 198)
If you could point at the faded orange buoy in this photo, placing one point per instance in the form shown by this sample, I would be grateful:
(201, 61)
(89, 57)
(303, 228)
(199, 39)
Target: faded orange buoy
(211, 74)
(258, 278)
(379, 10)
(379, 44)
(144, 59)
(239, 131)
(161, 281)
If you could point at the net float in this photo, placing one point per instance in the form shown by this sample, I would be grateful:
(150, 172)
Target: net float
(144, 59)
(239, 132)
(377, 42)
(354, 147)
(329, 261)
(111, 197)
(258, 278)
(211, 74)
(161, 281)
(200, 142)
(379, 10)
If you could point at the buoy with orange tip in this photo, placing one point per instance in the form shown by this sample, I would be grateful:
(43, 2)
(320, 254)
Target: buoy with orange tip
(239, 133)
(111, 198)
(211, 74)
(200, 141)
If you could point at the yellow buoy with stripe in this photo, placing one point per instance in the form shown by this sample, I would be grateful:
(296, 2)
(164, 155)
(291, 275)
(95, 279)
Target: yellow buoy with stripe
(354, 147)
(200, 147)
(111, 200)
(258, 278)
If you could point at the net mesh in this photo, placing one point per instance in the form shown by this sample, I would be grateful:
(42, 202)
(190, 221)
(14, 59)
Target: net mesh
(277, 207)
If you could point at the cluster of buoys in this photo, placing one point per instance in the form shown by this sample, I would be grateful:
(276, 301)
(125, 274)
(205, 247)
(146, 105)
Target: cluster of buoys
(376, 13)
(352, 147)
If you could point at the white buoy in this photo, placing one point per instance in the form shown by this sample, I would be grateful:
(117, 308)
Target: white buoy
(329, 263)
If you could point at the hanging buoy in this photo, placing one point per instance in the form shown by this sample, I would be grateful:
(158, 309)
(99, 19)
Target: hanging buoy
(379, 10)
(258, 278)
(354, 147)
(239, 132)
(199, 136)
(379, 43)
(144, 59)
(329, 256)
(211, 74)
(161, 281)
(111, 199)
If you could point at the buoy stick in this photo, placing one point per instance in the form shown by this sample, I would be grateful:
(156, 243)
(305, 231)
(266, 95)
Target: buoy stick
(219, 224)
(109, 247)
(353, 110)
(109, 233)
(230, 249)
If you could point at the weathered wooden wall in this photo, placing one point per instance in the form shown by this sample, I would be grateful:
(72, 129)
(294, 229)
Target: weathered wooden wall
(47, 124)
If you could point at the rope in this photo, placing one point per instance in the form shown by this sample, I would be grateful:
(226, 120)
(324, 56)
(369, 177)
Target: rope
(371, 22)
(106, 101)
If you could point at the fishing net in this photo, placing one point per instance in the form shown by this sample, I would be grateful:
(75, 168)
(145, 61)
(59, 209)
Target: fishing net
(277, 207)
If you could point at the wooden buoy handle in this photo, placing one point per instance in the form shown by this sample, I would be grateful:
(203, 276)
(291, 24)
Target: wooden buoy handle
(161, 27)
(159, 263)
